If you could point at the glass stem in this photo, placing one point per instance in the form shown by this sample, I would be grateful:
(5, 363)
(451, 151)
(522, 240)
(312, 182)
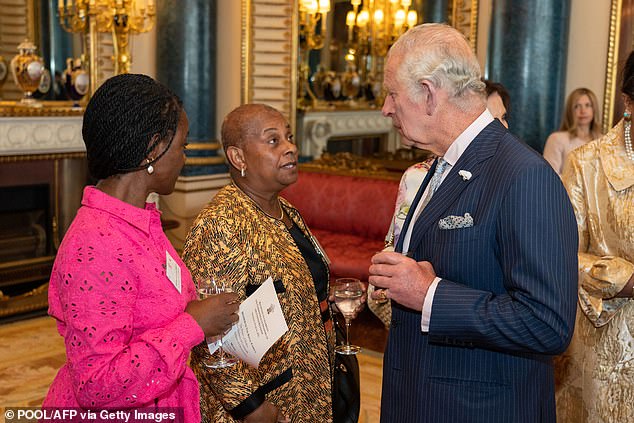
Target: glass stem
(221, 351)
(347, 331)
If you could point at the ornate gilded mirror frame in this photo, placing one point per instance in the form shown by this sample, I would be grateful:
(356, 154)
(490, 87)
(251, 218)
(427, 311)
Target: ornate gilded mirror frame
(28, 13)
(270, 44)
(620, 43)
(269, 54)
(464, 17)
(19, 20)
(16, 24)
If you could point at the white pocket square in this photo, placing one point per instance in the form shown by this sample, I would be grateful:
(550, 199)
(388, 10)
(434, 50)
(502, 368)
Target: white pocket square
(456, 222)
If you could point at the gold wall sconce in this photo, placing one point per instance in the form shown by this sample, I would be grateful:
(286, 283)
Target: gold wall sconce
(311, 14)
(119, 17)
(353, 57)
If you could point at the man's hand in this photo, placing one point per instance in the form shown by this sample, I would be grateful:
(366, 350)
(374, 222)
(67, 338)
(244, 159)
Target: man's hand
(404, 280)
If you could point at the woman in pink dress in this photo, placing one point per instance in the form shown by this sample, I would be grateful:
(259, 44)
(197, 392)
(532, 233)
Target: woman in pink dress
(124, 301)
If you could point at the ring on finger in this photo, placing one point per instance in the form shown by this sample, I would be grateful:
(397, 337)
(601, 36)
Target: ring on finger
(382, 295)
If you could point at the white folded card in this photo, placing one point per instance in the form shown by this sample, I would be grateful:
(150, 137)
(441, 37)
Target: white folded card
(260, 325)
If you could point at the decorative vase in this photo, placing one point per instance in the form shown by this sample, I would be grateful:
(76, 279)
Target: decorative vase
(372, 89)
(75, 79)
(4, 71)
(332, 86)
(45, 85)
(317, 82)
(27, 69)
(351, 83)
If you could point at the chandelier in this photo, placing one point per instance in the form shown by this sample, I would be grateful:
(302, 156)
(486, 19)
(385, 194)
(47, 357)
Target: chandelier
(378, 23)
(119, 17)
(353, 73)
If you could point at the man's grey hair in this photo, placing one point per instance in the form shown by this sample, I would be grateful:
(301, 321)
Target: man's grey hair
(441, 55)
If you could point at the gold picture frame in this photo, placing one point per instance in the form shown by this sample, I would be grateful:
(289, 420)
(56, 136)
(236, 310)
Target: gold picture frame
(620, 43)
(270, 43)
(19, 21)
(269, 54)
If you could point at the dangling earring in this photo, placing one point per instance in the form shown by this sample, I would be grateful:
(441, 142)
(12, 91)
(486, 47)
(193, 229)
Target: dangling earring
(150, 168)
(629, 151)
(243, 173)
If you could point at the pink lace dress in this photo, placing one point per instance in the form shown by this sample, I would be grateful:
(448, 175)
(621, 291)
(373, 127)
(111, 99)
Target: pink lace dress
(127, 335)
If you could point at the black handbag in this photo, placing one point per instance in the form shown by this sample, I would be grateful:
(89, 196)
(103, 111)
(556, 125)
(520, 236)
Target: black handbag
(346, 390)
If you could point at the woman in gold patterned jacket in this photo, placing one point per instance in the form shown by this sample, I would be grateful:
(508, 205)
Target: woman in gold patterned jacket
(597, 371)
(246, 234)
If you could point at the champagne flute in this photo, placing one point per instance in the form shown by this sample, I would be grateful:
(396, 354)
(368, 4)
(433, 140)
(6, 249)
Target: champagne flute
(348, 293)
(207, 288)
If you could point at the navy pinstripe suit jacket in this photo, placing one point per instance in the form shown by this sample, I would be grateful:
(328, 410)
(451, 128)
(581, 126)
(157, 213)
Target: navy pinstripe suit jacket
(507, 299)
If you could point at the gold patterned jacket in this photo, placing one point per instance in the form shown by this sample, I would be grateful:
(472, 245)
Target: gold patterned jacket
(600, 182)
(595, 376)
(232, 239)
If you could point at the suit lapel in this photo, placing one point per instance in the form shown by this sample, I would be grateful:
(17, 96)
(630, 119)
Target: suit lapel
(472, 160)
(412, 207)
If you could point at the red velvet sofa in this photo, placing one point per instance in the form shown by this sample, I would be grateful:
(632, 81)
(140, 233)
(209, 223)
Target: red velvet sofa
(349, 216)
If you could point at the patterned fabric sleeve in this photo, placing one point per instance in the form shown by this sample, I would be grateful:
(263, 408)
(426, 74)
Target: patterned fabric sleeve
(600, 278)
(96, 298)
(213, 249)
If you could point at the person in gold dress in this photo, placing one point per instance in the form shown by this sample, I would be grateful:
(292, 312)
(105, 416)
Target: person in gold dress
(246, 234)
(596, 374)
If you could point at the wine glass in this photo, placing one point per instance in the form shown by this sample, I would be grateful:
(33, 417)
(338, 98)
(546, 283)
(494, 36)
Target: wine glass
(348, 293)
(207, 288)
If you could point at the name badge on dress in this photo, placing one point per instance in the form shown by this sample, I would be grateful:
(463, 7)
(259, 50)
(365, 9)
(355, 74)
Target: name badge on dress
(173, 271)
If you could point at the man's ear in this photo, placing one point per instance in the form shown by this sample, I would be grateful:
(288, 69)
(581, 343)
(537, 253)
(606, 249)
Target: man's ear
(430, 96)
(235, 155)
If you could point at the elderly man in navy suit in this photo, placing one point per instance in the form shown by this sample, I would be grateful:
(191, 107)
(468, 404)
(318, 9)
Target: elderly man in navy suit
(483, 279)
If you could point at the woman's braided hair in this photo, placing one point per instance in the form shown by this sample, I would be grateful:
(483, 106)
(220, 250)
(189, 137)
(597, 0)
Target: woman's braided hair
(121, 120)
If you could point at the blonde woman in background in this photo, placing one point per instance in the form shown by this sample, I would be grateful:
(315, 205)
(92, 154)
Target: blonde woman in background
(580, 124)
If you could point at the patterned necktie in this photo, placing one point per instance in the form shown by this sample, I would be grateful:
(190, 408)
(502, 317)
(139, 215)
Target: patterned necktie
(432, 186)
(434, 183)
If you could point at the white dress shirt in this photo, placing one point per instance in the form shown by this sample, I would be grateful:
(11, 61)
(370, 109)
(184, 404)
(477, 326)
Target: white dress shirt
(452, 155)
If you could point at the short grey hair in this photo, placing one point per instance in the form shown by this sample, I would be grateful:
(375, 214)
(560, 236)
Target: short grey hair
(441, 55)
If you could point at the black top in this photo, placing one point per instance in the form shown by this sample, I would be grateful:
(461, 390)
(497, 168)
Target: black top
(316, 265)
